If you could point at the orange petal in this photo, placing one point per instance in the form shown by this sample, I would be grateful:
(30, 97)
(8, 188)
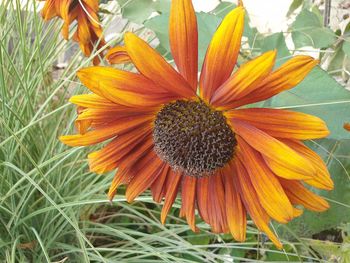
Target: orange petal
(109, 157)
(245, 80)
(104, 133)
(82, 126)
(235, 211)
(170, 195)
(123, 87)
(249, 198)
(347, 126)
(49, 10)
(83, 30)
(67, 15)
(284, 78)
(138, 152)
(298, 194)
(269, 191)
(184, 39)
(144, 173)
(94, 101)
(222, 53)
(322, 179)
(202, 193)
(282, 123)
(159, 186)
(154, 67)
(188, 193)
(118, 179)
(212, 205)
(118, 55)
(282, 160)
(116, 114)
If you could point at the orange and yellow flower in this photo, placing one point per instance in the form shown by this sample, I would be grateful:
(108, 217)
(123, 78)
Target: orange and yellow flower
(84, 12)
(226, 161)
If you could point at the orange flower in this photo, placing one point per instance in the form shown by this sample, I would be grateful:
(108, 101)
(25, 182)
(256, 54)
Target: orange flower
(227, 162)
(89, 31)
(347, 126)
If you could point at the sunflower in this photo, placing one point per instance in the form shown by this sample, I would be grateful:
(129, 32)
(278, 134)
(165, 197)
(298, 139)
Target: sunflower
(89, 31)
(171, 133)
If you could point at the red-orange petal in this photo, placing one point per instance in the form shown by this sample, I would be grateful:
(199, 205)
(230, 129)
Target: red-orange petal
(118, 55)
(282, 123)
(299, 194)
(118, 179)
(245, 80)
(284, 78)
(144, 173)
(159, 186)
(212, 205)
(49, 10)
(153, 66)
(282, 160)
(109, 157)
(170, 195)
(235, 211)
(249, 198)
(104, 133)
(188, 195)
(269, 191)
(122, 87)
(222, 53)
(183, 38)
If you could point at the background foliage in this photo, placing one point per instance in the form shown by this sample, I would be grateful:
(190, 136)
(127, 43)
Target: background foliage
(54, 210)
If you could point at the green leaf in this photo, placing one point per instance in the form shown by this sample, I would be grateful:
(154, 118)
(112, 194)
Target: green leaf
(294, 6)
(276, 41)
(346, 46)
(319, 94)
(207, 25)
(281, 256)
(137, 11)
(162, 6)
(337, 59)
(222, 9)
(307, 30)
(159, 25)
(197, 239)
(140, 10)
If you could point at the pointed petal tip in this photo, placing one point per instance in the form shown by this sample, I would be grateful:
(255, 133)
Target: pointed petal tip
(64, 139)
(162, 218)
(128, 35)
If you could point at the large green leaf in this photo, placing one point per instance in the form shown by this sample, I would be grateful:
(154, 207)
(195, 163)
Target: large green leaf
(346, 46)
(307, 30)
(319, 94)
(294, 6)
(275, 41)
(140, 10)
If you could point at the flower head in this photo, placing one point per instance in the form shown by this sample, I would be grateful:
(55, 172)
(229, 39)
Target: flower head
(227, 162)
(89, 31)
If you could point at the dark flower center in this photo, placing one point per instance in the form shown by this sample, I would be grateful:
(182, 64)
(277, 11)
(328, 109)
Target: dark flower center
(193, 138)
